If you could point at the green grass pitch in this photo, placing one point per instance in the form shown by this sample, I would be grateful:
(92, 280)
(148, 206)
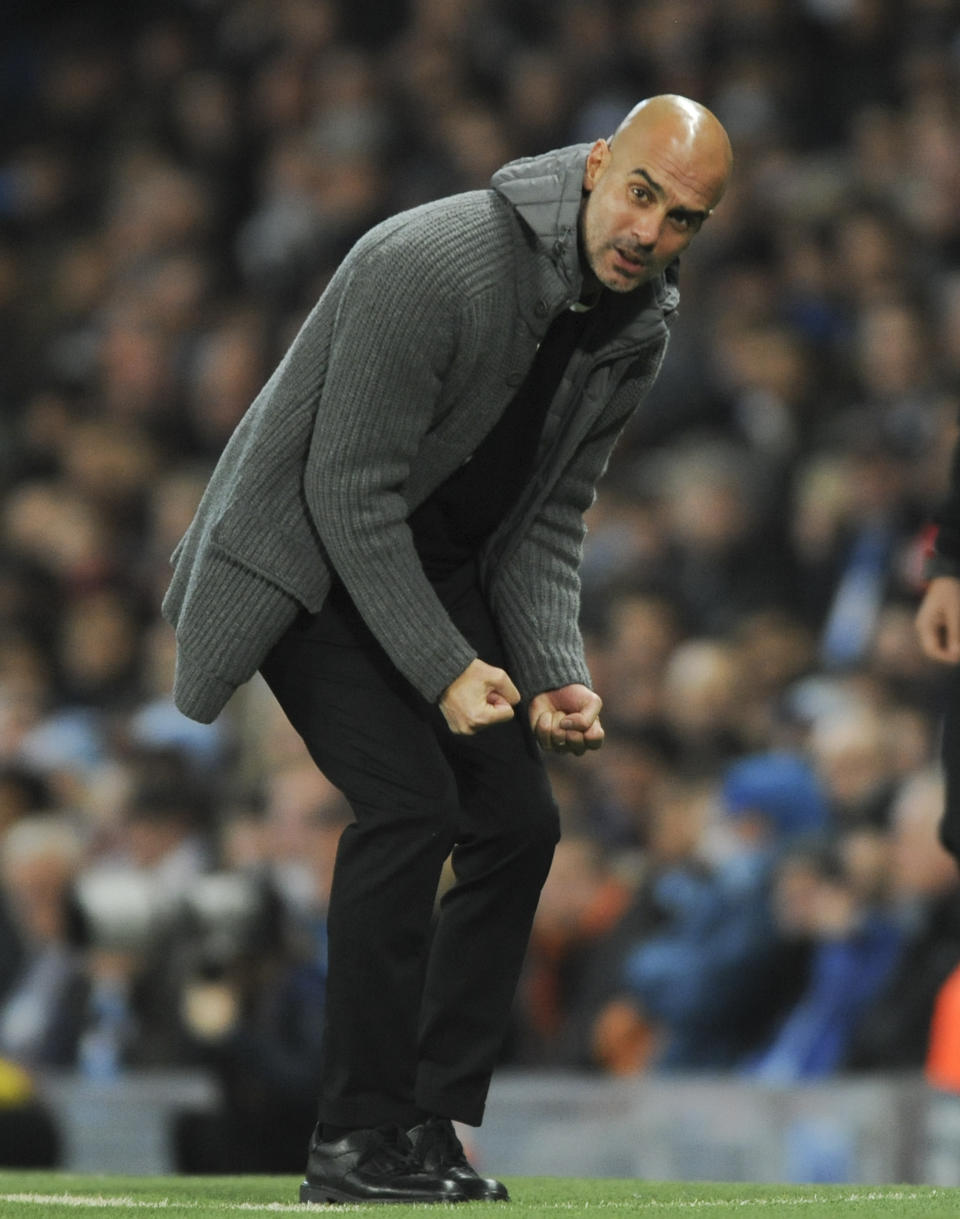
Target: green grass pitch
(53, 1195)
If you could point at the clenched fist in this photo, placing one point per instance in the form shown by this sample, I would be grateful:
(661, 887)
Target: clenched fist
(480, 696)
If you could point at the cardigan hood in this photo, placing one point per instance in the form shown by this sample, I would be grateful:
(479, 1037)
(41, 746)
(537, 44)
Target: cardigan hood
(547, 193)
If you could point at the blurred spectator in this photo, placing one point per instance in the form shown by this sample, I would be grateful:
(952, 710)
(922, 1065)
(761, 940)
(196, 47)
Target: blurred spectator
(856, 944)
(717, 974)
(894, 1030)
(227, 372)
(581, 902)
(722, 561)
(43, 988)
(604, 1027)
(42, 1011)
(702, 699)
(641, 631)
(165, 831)
(850, 749)
(22, 794)
(617, 807)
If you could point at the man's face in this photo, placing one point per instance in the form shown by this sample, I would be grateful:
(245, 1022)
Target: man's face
(648, 195)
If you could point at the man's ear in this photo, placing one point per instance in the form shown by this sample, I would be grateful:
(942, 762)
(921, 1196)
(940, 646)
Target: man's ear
(597, 159)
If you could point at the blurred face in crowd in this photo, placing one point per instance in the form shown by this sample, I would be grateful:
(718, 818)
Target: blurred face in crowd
(38, 863)
(650, 189)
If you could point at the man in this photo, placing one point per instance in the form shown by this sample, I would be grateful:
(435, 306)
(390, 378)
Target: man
(392, 537)
(938, 628)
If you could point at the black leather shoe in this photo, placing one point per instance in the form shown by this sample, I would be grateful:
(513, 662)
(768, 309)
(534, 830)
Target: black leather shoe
(372, 1166)
(438, 1151)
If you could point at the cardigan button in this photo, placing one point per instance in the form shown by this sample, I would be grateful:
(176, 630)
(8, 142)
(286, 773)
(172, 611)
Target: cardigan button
(514, 379)
(541, 308)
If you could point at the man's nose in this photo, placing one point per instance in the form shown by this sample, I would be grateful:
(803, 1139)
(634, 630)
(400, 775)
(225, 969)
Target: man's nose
(646, 230)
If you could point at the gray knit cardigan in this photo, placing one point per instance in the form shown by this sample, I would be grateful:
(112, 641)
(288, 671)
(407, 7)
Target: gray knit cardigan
(407, 360)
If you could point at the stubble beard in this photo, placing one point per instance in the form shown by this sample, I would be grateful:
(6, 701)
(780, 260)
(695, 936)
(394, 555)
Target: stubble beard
(618, 281)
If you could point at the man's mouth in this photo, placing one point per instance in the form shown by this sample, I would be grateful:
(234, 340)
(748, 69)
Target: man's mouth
(635, 261)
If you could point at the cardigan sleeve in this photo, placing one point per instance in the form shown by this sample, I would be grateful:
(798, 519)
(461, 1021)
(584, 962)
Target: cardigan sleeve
(392, 341)
(536, 591)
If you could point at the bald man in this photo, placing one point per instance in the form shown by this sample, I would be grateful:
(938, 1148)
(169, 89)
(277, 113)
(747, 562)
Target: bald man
(392, 537)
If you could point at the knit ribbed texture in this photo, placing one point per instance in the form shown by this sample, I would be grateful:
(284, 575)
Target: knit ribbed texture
(223, 647)
(404, 365)
(535, 584)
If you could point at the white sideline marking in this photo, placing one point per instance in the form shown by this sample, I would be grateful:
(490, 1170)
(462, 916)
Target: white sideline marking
(640, 1204)
(92, 1200)
(633, 1204)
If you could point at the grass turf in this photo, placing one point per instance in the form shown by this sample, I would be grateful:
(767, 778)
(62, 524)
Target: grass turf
(54, 1195)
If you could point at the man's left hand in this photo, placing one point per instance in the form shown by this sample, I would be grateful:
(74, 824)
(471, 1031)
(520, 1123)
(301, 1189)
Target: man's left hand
(567, 720)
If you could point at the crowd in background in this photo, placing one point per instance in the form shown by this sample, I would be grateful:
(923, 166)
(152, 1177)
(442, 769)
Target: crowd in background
(750, 867)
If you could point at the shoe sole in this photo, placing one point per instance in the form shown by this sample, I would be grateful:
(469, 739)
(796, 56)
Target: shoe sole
(488, 1195)
(320, 1195)
(485, 1195)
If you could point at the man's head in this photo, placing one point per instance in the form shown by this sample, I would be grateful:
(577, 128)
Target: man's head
(650, 188)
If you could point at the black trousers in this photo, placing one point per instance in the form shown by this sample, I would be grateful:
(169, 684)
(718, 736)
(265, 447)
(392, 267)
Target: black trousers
(416, 1012)
(950, 757)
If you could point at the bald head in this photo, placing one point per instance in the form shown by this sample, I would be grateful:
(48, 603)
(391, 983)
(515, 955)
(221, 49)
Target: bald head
(649, 189)
(696, 135)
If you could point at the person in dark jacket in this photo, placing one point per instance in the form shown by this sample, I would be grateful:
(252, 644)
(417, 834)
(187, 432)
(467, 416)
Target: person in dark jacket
(938, 628)
(392, 537)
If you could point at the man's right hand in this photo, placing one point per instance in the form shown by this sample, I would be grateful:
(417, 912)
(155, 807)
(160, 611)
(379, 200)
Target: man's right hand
(480, 696)
(938, 620)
